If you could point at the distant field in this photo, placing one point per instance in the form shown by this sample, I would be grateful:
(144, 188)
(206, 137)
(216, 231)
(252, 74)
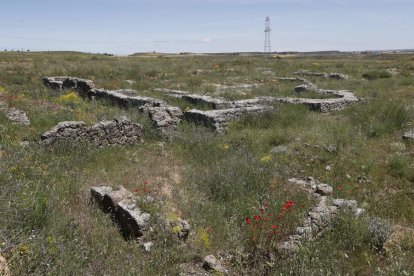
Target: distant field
(215, 182)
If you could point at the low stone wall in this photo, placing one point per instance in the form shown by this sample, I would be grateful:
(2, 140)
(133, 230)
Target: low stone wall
(165, 119)
(86, 88)
(132, 221)
(336, 76)
(119, 131)
(342, 98)
(216, 103)
(126, 98)
(219, 119)
(122, 205)
(319, 217)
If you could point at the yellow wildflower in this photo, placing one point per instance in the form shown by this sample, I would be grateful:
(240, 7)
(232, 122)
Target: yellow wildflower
(266, 158)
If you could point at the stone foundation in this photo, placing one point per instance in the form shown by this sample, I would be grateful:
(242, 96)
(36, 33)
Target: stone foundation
(319, 217)
(126, 98)
(336, 76)
(219, 119)
(119, 131)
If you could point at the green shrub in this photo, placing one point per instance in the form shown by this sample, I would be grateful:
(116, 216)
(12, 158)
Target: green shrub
(376, 74)
(400, 166)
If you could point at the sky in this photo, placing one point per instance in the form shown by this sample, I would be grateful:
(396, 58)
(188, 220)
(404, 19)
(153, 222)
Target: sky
(171, 26)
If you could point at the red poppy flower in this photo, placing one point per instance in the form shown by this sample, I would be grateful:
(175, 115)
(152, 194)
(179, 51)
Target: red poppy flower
(288, 204)
(247, 220)
(256, 217)
(274, 226)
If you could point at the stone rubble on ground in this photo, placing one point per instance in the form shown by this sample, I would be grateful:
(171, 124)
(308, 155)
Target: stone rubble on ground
(409, 135)
(119, 131)
(319, 217)
(147, 246)
(214, 265)
(278, 150)
(13, 114)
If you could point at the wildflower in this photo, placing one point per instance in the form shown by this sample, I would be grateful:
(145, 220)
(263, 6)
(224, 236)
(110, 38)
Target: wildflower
(274, 226)
(225, 147)
(247, 220)
(256, 217)
(288, 205)
(265, 158)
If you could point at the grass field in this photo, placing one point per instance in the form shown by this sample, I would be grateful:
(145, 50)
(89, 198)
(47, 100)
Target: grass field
(49, 227)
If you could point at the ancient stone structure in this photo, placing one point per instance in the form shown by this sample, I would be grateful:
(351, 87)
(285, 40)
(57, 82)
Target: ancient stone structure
(15, 115)
(217, 103)
(164, 117)
(340, 100)
(319, 217)
(219, 119)
(344, 99)
(118, 131)
(122, 205)
(335, 76)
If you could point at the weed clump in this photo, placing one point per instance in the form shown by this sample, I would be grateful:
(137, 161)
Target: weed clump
(379, 117)
(379, 230)
(376, 74)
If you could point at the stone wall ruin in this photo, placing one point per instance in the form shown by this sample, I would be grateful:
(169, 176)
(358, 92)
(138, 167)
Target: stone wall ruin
(166, 118)
(119, 131)
(127, 98)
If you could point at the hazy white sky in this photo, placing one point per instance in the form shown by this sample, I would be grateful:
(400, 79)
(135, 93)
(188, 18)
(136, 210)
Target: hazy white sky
(128, 26)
